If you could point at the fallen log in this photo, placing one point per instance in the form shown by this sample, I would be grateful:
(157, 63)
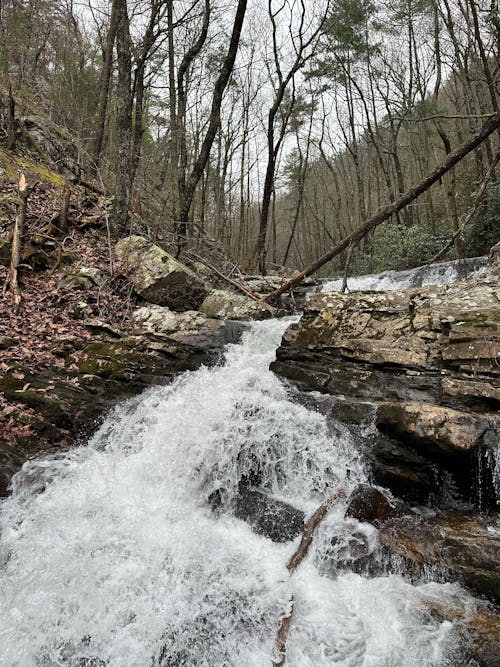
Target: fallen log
(279, 652)
(453, 158)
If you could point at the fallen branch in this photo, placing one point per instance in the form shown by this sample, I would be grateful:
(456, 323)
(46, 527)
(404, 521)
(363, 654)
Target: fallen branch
(279, 652)
(17, 242)
(453, 158)
(346, 269)
(227, 279)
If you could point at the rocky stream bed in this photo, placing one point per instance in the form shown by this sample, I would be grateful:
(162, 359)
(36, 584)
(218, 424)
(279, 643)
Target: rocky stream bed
(164, 540)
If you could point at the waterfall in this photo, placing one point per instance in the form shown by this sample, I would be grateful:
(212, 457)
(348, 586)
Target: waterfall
(440, 273)
(111, 555)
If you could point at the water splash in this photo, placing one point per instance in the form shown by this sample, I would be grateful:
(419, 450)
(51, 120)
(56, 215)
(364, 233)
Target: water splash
(110, 555)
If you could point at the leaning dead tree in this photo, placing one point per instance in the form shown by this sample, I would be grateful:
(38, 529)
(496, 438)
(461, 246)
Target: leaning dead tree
(17, 242)
(279, 653)
(453, 158)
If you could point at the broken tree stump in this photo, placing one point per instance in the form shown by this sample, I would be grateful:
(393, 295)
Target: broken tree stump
(12, 280)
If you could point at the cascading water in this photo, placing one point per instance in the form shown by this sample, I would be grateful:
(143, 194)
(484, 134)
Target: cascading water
(440, 273)
(110, 554)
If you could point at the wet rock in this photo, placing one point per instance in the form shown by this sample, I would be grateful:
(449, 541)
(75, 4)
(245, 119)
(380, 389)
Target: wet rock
(100, 326)
(480, 635)
(368, 504)
(352, 412)
(14, 453)
(191, 327)
(158, 277)
(428, 355)
(263, 285)
(419, 337)
(138, 360)
(428, 426)
(267, 516)
(453, 545)
(67, 404)
(67, 344)
(222, 304)
(407, 474)
(324, 371)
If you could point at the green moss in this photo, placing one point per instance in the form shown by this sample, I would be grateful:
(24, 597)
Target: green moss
(60, 132)
(12, 164)
(42, 172)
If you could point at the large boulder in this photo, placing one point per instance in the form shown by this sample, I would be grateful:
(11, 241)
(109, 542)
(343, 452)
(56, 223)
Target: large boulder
(191, 327)
(158, 277)
(268, 516)
(368, 504)
(223, 304)
(453, 327)
(57, 406)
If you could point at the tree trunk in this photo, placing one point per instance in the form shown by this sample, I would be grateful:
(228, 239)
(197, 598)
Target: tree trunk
(17, 243)
(104, 86)
(11, 120)
(453, 158)
(213, 125)
(123, 121)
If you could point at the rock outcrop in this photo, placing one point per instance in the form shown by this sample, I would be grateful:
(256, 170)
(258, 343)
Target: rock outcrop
(494, 261)
(427, 358)
(158, 277)
(60, 406)
(433, 427)
(453, 545)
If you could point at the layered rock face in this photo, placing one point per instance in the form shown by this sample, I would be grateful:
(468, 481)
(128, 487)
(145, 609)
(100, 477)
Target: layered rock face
(427, 358)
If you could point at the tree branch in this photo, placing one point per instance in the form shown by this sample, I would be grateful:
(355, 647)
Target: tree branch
(383, 214)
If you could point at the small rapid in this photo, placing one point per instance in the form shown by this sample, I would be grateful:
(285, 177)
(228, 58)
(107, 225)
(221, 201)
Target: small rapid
(110, 554)
(439, 273)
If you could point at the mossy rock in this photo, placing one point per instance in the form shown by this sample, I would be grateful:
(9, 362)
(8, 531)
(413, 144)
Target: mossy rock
(158, 277)
(11, 164)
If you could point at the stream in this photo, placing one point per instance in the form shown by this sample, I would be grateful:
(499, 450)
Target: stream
(110, 554)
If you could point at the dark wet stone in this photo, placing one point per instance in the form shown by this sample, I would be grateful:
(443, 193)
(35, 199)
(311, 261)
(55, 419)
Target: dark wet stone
(267, 516)
(68, 405)
(454, 545)
(368, 504)
(407, 474)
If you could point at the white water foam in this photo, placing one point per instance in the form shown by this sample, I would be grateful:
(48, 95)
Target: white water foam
(109, 554)
(441, 273)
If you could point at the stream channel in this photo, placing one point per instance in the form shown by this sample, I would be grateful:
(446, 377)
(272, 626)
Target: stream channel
(110, 554)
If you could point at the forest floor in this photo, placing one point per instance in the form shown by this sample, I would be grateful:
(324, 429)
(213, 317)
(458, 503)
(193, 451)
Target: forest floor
(56, 299)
